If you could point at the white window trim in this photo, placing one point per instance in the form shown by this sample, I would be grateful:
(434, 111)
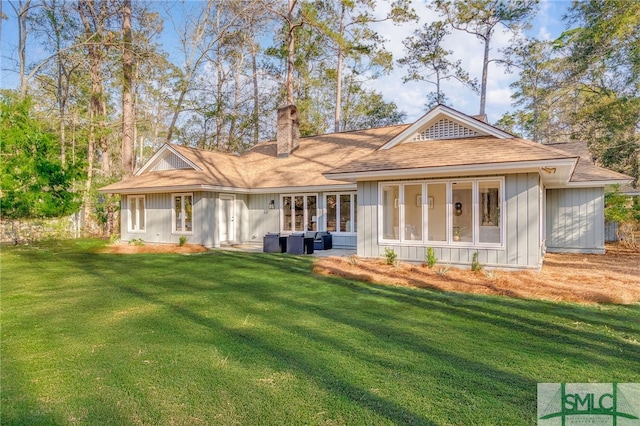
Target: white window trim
(353, 195)
(381, 187)
(129, 227)
(305, 217)
(173, 213)
(449, 211)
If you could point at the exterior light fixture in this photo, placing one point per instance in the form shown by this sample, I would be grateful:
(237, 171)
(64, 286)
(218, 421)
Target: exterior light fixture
(272, 204)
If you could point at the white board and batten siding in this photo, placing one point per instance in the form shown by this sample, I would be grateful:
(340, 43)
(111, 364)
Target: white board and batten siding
(261, 219)
(575, 220)
(158, 220)
(522, 245)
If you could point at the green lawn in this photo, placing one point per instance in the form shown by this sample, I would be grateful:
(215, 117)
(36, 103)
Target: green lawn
(237, 338)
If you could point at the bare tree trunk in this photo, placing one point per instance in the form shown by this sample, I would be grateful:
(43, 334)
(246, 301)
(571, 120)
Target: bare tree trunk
(291, 53)
(63, 93)
(235, 141)
(485, 69)
(128, 122)
(176, 112)
(91, 146)
(22, 42)
(104, 141)
(338, 111)
(61, 115)
(97, 106)
(256, 93)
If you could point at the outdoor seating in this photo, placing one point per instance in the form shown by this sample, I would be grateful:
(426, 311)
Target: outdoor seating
(295, 243)
(300, 243)
(271, 243)
(323, 241)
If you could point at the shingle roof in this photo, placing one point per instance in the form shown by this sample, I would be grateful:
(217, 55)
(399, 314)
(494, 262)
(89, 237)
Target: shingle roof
(452, 152)
(259, 168)
(319, 158)
(586, 170)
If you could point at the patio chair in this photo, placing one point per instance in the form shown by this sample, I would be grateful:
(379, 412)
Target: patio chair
(295, 243)
(323, 241)
(271, 243)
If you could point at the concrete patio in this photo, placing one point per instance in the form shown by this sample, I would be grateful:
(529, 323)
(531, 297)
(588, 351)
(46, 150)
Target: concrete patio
(257, 248)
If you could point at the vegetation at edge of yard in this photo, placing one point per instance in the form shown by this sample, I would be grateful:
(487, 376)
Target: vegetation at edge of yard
(228, 337)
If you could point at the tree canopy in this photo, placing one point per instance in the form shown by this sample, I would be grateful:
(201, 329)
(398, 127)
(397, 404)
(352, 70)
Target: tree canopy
(34, 183)
(586, 84)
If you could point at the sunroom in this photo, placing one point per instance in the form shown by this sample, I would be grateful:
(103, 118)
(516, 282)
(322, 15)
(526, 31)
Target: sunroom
(456, 212)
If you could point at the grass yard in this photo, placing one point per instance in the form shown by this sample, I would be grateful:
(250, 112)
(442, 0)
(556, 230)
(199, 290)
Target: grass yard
(236, 338)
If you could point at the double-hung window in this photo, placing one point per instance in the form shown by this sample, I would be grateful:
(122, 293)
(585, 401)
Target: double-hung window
(182, 213)
(341, 212)
(137, 213)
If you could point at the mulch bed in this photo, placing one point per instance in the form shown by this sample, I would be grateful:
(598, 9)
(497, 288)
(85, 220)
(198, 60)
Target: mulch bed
(610, 278)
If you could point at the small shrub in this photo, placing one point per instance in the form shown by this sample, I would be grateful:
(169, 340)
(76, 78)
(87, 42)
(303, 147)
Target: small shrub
(431, 258)
(443, 271)
(183, 240)
(353, 260)
(475, 265)
(137, 241)
(489, 274)
(114, 238)
(390, 255)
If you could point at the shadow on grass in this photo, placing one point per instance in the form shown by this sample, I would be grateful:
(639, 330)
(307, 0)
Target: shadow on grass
(298, 361)
(248, 280)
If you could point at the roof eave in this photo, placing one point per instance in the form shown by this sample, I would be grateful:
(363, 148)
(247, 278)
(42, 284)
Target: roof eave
(591, 183)
(467, 169)
(223, 188)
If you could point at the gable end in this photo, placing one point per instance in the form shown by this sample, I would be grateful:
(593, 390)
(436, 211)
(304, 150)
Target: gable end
(442, 122)
(170, 162)
(445, 129)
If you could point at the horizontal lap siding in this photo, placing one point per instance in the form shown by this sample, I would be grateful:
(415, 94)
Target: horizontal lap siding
(522, 248)
(575, 220)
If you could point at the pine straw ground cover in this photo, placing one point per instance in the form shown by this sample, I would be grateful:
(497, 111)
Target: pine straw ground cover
(131, 248)
(610, 278)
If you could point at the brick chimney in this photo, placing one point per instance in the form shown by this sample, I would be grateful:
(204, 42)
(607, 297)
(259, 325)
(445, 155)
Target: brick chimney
(288, 131)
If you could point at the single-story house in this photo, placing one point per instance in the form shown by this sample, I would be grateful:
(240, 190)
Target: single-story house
(448, 181)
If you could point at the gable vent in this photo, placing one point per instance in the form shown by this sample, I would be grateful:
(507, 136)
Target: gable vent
(445, 129)
(170, 162)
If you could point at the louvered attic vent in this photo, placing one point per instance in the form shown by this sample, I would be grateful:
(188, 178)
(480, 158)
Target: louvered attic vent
(445, 129)
(170, 162)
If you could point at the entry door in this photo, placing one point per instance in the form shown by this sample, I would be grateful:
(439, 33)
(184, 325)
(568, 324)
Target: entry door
(227, 218)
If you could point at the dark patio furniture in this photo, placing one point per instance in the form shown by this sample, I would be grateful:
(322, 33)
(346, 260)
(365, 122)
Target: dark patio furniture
(271, 243)
(300, 243)
(323, 241)
(283, 244)
(308, 245)
(295, 244)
